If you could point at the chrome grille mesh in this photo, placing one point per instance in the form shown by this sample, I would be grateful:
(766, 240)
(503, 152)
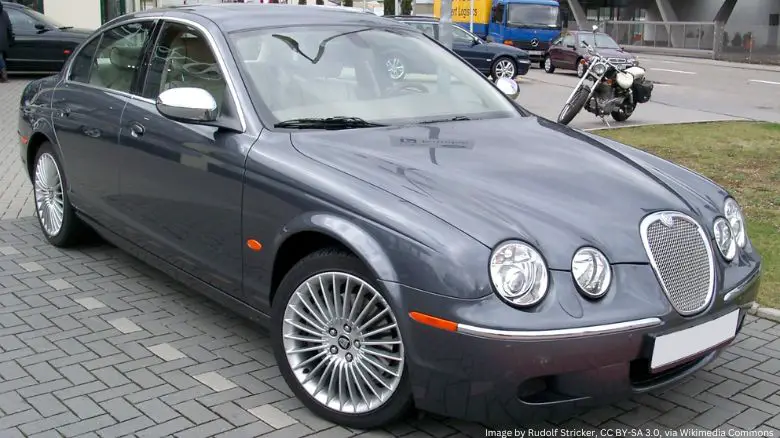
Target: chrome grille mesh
(682, 259)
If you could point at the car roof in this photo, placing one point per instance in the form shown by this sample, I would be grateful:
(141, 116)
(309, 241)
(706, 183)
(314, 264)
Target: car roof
(412, 17)
(14, 5)
(232, 17)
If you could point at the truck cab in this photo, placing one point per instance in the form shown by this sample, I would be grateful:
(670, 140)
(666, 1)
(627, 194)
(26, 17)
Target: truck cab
(530, 25)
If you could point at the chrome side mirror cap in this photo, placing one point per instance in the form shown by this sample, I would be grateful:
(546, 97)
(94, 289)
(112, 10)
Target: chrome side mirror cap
(188, 105)
(508, 87)
(595, 27)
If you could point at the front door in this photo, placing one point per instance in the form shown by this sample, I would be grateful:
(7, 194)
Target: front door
(569, 52)
(465, 45)
(87, 108)
(496, 25)
(181, 184)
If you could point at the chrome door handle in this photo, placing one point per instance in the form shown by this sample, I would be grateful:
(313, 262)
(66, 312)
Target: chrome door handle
(137, 130)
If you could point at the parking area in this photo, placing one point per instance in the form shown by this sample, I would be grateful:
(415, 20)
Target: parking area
(95, 344)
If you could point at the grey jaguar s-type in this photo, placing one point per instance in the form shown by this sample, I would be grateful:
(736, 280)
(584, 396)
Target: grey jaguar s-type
(424, 242)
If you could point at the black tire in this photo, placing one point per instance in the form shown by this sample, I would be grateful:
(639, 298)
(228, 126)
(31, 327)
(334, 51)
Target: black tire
(547, 64)
(502, 61)
(72, 231)
(570, 111)
(622, 114)
(580, 71)
(397, 406)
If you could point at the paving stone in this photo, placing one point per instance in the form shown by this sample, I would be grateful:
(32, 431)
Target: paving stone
(214, 381)
(124, 325)
(272, 416)
(167, 352)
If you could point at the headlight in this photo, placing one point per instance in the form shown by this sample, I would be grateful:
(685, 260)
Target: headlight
(591, 271)
(724, 239)
(737, 222)
(518, 273)
(599, 68)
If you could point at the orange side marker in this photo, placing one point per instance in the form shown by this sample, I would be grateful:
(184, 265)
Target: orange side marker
(434, 321)
(254, 245)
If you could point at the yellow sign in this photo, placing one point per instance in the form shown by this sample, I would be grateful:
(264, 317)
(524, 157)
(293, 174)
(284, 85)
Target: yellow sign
(461, 8)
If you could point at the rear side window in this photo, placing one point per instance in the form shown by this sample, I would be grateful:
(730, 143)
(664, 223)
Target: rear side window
(119, 57)
(82, 63)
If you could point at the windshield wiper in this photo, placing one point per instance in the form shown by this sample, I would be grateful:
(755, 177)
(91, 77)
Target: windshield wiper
(66, 27)
(327, 123)
(450, 119)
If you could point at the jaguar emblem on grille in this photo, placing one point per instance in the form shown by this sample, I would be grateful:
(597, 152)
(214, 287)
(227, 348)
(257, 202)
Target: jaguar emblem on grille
(667, 220)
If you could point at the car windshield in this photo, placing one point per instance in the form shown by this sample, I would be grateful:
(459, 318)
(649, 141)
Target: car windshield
(46, 19)
(601, 40)
(532, 15)
(379, 75)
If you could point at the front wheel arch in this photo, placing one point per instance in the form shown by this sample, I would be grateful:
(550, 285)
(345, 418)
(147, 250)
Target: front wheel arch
(33, 145)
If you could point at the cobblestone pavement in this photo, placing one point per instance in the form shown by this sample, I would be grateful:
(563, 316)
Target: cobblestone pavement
(96, 344)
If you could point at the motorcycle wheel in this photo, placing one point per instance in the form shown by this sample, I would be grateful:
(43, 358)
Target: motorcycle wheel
(624, 112)
(571, 109)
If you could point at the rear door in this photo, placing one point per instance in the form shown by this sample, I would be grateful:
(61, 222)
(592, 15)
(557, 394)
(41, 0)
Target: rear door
(569, 52)
(33, 51)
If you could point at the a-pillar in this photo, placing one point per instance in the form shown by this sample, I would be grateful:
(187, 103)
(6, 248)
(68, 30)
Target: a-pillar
(675, 33)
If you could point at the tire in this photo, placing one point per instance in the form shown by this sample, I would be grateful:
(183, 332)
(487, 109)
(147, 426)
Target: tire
(622, 116)
(503, 67)
(396, 66)
(548, 65)
(580, 67)
(330, 339)
(50, 194)
(570, 111)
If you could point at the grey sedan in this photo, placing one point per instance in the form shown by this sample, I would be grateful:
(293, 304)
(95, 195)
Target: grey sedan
(421, 243)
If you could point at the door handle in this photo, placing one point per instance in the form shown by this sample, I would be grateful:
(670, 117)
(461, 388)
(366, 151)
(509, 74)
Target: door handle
(137, 129)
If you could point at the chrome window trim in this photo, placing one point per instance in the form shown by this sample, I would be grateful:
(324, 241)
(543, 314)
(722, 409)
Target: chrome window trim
(568, 333)
(162, 17)
(652, 218)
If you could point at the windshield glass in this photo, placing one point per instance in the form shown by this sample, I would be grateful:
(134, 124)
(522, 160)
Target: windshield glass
(602, 40)
(376, 74)
(45, 19)
(532, 15)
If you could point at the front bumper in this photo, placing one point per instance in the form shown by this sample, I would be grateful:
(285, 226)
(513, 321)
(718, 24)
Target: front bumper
(523, 65)
(502, 376)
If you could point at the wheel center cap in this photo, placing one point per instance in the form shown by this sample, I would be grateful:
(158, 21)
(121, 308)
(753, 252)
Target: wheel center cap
(344, 342)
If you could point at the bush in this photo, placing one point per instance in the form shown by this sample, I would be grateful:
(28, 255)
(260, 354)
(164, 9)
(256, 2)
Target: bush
(406, 7)
(389, 6)
(348, 3)
(301, 2)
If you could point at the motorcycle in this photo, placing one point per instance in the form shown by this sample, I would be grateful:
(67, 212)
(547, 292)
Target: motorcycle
(607, 89)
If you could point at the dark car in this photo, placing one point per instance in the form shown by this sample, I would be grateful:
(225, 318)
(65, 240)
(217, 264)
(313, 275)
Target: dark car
(569, 53)
(428, 244)
(41, 44)
(496, 60)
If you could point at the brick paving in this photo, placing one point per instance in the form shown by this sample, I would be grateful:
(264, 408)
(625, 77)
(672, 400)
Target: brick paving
(95, 344)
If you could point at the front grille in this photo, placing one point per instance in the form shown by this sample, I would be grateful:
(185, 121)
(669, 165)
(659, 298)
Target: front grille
(618, 60)
(526, 45)
(681, 256)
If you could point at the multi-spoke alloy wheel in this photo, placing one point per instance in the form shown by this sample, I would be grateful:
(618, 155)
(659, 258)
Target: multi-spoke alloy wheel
(504, 68)
(396, 68)
(343, 343)
(49, 200)
(339, 344)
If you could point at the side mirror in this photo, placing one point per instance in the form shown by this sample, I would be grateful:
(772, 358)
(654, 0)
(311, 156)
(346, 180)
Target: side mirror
(188, 105)
(508, 87)
(40, 27)
(595, 28)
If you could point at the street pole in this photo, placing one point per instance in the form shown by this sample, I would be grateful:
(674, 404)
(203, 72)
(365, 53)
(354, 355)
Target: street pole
(471, 17)
(445, 38)
(397, 7)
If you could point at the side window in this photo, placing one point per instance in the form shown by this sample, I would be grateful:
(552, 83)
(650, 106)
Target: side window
(460, 36)
(21, 21)
(83, 62)
(119, 56)
(498, 14)
(426, 28)
(182, 57)
(568, 40)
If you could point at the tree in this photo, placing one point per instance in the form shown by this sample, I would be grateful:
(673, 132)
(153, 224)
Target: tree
(348, 3)
(320, 2)
(406, 7)
(389, 7)
(301, 2)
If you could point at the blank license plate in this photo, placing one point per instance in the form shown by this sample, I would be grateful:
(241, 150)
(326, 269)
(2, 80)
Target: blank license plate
(687, 343)
(535, 52)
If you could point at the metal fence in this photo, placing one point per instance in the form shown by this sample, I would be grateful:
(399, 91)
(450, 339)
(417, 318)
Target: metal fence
(740, 43)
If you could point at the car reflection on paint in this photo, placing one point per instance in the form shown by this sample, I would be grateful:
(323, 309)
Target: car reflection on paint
(422, 243)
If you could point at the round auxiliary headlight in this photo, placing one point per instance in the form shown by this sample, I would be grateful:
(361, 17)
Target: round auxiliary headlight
(733, 214)
(591, 272)
(599, 68)
(518, 273)
(725, 239)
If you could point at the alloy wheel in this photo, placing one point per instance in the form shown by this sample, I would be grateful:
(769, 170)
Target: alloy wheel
(505, 69)
(547, 63)
(49, 199)
(580, 69)
(395, 66)
(342, 343)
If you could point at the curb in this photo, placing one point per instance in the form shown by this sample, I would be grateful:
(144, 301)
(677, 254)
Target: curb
(765, 312)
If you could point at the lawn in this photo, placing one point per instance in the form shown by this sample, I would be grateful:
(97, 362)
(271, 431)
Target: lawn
(743, 157)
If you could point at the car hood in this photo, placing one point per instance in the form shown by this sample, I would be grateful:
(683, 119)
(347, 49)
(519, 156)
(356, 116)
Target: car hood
(615, 53)
(523, 178)
(503, 48)
(74, 34)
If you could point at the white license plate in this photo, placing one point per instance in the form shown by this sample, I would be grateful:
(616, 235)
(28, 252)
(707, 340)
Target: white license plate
(535, 52)
(687, 343)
